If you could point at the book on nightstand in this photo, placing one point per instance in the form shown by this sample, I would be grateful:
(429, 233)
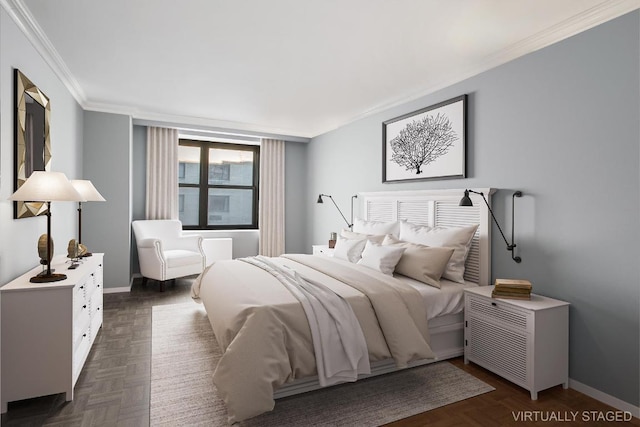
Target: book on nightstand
(512, 289)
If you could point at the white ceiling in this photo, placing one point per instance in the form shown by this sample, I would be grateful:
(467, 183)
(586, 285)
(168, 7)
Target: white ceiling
(292, 67)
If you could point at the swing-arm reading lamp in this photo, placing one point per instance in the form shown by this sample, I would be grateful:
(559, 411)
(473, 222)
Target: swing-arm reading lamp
(466, 201)
(334, 203)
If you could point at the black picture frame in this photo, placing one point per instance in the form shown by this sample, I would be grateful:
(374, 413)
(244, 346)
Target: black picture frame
(427, 144)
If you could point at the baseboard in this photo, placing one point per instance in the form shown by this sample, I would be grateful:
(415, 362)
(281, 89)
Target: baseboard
(620, 405)
(123, 289)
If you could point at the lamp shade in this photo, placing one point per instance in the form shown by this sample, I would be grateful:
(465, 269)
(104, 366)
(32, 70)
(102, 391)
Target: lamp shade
(87, 190)
(42, 186)
(466, 200)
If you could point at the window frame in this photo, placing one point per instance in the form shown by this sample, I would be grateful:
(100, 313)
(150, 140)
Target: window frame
(204, 186)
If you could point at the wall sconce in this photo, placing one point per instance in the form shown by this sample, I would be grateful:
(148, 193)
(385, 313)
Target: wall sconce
(355, 196)
(466, 201)
(47, 187)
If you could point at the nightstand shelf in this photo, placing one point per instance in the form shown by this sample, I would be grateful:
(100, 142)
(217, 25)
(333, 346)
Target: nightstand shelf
(524, 341)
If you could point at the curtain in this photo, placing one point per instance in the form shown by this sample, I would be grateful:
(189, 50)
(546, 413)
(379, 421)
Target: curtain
(162, 173)
(271, 205)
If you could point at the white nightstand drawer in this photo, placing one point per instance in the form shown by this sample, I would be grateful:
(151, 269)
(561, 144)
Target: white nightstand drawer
(322, 250)
(494, 310)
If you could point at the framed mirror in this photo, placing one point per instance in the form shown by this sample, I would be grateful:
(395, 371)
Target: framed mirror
(32, 148)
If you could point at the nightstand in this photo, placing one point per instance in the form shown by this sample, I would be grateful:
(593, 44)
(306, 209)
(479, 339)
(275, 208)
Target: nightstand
(322, 250)
(523, 341)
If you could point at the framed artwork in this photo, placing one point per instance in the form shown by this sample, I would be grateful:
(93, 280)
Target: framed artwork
(426, 144)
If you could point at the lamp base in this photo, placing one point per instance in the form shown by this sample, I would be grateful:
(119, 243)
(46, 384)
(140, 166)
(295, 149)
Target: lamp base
(47, 278)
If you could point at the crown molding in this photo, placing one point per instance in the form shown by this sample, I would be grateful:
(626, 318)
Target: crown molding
(583, 21)
(21, 15)
(198, 124)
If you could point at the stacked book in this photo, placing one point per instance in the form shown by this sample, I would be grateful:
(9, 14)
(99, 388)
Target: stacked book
(512, 289)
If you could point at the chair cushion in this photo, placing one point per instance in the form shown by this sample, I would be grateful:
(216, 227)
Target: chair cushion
(180, 258)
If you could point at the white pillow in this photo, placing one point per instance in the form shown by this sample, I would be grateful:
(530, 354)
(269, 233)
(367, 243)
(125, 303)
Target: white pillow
(376, 227)
(348, 250)
(381, 258)
(347, 234)
(423, 263)
(458, 238)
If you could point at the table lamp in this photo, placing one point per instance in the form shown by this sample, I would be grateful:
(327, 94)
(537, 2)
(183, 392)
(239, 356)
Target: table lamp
(43, 186)
(89, 194)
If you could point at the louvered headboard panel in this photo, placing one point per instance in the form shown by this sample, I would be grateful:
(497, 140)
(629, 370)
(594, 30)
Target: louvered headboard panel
(438, 208)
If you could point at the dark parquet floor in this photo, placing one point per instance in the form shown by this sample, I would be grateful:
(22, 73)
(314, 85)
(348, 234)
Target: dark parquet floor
(114, 386)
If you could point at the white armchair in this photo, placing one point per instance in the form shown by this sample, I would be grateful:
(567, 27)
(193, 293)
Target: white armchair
(164, 253)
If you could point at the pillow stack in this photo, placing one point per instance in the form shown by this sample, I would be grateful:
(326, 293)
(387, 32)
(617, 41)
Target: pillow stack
(423, 253)
(458, 238)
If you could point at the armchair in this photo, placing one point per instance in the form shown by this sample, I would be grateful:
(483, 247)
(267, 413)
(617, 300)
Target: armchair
(164, 253)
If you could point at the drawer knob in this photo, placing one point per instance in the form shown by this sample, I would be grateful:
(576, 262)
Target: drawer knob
(82, 287)
(494, 304)
(84, 335)
(84, 306)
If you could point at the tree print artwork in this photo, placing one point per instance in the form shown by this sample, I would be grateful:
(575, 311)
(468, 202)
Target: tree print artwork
(429, 143)
(422, 141)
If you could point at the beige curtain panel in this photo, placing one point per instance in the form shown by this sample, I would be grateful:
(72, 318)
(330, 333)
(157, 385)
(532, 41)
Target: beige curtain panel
(162, 173)
(271, 206)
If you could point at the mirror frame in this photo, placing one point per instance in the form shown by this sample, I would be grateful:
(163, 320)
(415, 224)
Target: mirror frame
(23, 87)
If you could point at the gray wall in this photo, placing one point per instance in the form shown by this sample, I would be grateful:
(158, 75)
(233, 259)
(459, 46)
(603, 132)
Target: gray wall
(560, 124)
(107, 163)
(18, 237)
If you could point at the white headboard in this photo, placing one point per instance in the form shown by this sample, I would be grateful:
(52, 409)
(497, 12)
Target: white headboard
(438, 208)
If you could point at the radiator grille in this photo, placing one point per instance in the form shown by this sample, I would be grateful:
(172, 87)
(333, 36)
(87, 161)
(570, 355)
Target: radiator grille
(499, 349)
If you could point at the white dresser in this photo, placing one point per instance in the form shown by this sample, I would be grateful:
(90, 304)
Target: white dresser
(524, 341)
(48, 329)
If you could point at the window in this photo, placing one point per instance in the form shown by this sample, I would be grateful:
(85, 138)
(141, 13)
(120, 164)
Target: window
(218, 185)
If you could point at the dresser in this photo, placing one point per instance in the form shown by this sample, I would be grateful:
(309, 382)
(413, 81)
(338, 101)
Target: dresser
(524, 341)
(48, 329)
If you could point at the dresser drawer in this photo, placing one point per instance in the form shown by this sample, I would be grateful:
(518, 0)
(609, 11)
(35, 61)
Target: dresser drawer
(79, 297)
(498, 312)
(81, 323)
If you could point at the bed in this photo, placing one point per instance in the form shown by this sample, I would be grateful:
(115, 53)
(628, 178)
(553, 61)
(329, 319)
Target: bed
(268, 343)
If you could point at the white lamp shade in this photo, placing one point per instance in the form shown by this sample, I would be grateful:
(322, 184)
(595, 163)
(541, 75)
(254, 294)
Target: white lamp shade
(87, 190)
(44, 186)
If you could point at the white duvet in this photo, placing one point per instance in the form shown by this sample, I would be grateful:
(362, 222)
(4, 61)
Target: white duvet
(265, 335)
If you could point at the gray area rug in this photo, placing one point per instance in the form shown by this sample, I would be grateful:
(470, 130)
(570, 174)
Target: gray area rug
(185, 353)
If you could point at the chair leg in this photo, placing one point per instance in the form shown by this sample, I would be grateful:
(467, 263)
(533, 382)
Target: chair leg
(144, 281)
(162, 285)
